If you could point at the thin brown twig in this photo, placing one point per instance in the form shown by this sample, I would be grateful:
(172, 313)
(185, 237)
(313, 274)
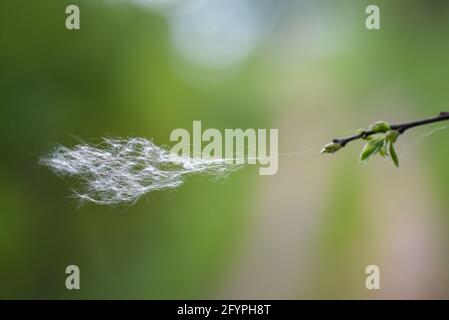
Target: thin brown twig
(401, 128)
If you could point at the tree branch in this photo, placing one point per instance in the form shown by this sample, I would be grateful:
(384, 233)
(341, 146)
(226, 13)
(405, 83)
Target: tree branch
(401, 128)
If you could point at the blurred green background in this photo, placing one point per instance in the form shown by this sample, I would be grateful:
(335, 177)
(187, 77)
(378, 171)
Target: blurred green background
(309, 68)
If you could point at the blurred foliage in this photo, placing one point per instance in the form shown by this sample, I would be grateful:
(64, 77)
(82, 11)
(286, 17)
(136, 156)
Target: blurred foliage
(119, 76)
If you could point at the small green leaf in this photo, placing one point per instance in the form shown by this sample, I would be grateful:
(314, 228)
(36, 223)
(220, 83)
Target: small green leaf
(371, 148)
(383, 151)
(393, 155)
(392, 135)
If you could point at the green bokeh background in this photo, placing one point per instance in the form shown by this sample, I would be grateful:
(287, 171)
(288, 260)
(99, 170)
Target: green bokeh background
(120, 75)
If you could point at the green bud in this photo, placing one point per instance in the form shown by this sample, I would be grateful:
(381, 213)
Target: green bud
(363, 134)
(380, 127)
(331, 147)
(371, 137)
(392, 135)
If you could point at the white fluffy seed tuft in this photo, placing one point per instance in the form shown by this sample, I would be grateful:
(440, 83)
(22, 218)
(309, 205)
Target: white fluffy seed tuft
(119, 171)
